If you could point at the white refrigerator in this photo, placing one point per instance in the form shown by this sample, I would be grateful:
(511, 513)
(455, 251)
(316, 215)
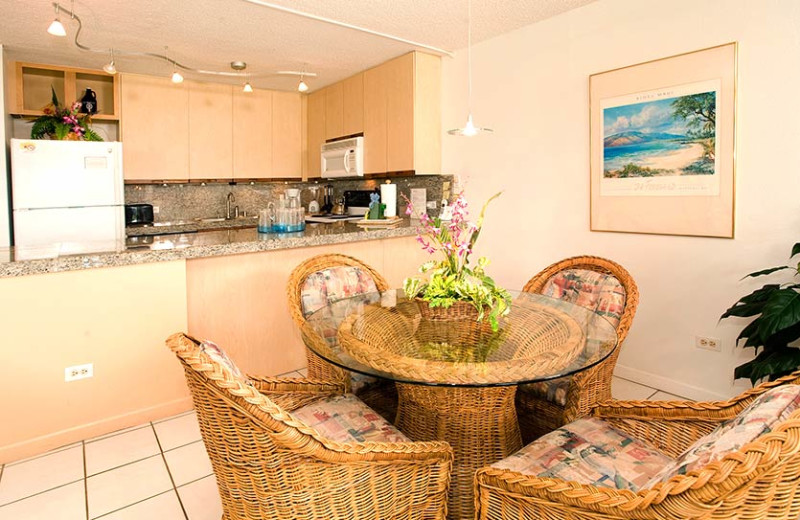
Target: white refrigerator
(67, 197)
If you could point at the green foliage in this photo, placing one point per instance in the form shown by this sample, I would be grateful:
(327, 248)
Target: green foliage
(776, 308)
(699, 111)
(452, 278)
(63, 122)
(632, 170)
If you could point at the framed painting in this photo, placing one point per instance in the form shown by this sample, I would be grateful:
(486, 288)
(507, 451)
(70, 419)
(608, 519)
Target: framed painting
(662, 145)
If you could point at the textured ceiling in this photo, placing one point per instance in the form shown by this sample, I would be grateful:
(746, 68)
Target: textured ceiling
(209, 34)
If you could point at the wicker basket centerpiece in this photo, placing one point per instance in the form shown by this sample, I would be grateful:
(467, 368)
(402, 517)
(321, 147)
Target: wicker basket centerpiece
(534, 340)
(454, 289)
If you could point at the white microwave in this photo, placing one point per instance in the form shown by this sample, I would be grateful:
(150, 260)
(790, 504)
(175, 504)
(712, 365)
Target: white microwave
(342, 158)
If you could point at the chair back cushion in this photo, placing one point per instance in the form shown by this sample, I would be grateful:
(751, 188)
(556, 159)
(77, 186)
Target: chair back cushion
(763, 414)
(219, 356)
(344, 418)
(588, 451)
(332, 284)
(599, 292)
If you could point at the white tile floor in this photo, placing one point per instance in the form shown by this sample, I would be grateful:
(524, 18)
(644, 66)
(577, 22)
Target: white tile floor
(158, 470)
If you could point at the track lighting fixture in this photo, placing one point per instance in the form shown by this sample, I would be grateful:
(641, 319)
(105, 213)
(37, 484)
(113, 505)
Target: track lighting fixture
(56, 27)
(110, 67)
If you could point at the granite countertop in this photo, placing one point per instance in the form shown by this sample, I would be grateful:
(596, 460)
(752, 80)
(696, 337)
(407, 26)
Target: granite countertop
(190, 226)
(185, 242)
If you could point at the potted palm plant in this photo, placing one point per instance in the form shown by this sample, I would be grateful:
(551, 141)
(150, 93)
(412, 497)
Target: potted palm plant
(776, 328)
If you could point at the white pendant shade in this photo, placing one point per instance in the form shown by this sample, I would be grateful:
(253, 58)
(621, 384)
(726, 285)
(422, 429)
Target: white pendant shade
(247, 87)
(302, 86)
(177, 77)
(469, 129)
(110, 67)
(57, 28)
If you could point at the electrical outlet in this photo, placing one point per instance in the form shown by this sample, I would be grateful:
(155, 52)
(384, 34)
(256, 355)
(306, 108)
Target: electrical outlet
(156, 209)
(708, 343)
(431, 204)
(76, 372)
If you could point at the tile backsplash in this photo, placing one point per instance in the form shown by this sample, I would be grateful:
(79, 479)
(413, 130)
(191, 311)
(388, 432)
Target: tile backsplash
(190, 201)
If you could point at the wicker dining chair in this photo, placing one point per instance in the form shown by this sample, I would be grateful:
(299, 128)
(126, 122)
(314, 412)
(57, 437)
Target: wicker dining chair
(757, 479)
(606, 288)
(270, 465)
(308, 289)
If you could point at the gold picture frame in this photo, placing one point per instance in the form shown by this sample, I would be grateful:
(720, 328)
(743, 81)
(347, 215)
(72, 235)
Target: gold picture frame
(662, 145)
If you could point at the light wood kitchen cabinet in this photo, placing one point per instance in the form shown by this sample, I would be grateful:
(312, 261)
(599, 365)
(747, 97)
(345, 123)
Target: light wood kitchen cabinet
(287, 129)
(252, 134)
(334, 106)
(210, 130)
(402, 111)
(315, 131)
(154, 128)
(353, 105)
(375, 119)
(31, 85)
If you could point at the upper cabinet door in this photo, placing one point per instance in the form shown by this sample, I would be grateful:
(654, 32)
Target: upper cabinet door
(400, 113)
(287, 138)
(375, 119)
(353, 105)
(252, 134)
(315, 130)
(154, 128)
(334, 103)
(210, 131)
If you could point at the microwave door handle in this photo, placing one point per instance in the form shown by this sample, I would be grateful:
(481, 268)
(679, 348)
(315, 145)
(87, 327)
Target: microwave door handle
(347, 161)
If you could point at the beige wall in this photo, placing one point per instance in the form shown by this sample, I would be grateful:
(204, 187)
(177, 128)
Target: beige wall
(116, 318)
(240, 301)
(531, 87)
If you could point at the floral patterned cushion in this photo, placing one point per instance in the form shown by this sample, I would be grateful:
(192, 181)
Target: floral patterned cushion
(757, 419)
(344, 418)
(218, 355)
(602, 293)
(589, 451)
(333, 284)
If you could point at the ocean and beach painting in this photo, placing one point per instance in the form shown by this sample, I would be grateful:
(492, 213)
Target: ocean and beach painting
(663, 137)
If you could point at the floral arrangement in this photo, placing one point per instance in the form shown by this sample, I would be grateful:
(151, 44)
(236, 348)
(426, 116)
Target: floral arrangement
(452, 279)
(63, 123)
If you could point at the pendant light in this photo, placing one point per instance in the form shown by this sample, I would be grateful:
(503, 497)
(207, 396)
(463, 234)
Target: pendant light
(469, 129)
(56, 27)
(110, 67)
(302, 86)
(177, 77)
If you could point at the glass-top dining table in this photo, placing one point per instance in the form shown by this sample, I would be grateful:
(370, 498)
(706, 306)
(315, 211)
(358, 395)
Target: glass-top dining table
(457, 377)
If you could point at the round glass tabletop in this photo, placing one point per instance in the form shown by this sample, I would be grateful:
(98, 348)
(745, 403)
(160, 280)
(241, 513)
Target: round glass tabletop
(388, 336)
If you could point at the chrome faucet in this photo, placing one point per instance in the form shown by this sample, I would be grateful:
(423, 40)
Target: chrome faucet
(229, 200)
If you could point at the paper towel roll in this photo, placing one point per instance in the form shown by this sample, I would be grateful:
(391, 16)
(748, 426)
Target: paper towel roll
(389, 197)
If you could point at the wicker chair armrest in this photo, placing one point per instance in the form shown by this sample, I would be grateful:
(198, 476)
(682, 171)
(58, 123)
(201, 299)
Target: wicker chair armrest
(714, 411)
(499, 490)
(267, 385)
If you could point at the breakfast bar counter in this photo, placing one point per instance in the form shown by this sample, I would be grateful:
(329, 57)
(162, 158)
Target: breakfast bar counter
(192, 243)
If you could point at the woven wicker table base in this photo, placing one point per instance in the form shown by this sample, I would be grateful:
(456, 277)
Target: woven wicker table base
(479, 423)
